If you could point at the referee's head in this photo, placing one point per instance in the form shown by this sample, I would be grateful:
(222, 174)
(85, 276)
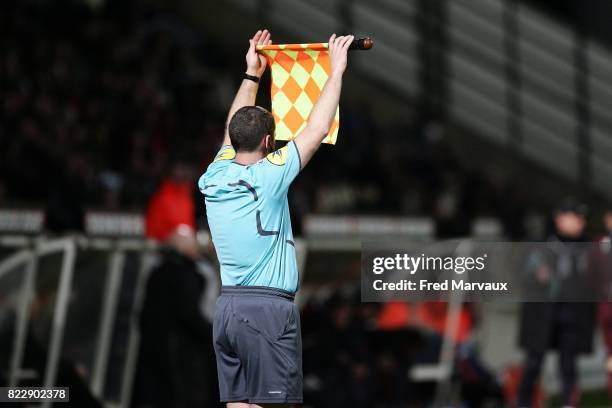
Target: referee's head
(252, 129)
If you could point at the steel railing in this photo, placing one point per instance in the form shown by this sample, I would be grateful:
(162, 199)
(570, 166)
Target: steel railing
(29, 250)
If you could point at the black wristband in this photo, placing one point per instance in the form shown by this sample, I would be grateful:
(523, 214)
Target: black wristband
(251, 78)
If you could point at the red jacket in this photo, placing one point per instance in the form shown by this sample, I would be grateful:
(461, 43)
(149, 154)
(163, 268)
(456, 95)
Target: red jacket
(602, 263)
(171, 206)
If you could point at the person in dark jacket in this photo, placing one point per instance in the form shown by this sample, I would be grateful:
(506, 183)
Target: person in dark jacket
(176, 366)
(560, 271)
(603, 265)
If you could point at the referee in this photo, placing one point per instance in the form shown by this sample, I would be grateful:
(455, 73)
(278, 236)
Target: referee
(256, 330)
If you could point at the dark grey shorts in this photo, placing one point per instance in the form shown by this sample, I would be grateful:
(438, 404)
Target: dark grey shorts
(258, 344)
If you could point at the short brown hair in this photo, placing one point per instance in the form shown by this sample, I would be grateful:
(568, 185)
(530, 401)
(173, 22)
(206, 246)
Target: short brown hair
(248, 127)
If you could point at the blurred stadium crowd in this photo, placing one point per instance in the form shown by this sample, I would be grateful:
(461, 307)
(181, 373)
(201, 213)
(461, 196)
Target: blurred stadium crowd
(97, 104)
(100, 103)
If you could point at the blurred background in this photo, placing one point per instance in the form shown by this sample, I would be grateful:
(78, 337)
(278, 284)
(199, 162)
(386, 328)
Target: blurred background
(469, 119)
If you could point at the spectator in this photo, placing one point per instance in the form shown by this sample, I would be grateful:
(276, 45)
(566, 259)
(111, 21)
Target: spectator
(176, 361)
(176, 364)
(557, 272)
(603, 265)
(173, 204)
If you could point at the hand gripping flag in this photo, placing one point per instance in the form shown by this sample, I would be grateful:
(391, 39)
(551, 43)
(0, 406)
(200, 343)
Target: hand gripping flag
(299, 72)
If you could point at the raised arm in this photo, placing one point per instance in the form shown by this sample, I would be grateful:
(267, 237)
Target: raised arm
(324, 110)
(247, 93)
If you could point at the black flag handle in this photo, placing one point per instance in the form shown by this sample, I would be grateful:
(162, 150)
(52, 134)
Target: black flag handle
(365, 43)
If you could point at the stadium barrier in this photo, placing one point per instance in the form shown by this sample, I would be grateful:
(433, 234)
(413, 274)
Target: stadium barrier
(29, 251)
(121, 251)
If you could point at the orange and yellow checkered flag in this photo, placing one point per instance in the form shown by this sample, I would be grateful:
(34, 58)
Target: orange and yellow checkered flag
(299, 72)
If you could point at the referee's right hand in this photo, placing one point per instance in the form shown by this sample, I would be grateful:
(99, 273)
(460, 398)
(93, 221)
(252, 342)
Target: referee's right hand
(256, 63)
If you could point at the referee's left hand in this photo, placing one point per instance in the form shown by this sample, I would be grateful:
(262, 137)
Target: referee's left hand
(256, 63)
(338, 48)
